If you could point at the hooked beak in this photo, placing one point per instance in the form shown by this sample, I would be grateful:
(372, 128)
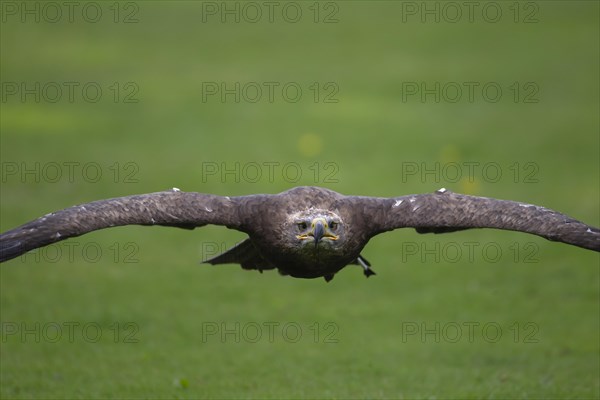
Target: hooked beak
(318, 232)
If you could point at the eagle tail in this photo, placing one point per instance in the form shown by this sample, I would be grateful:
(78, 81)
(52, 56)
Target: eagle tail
(243, 253)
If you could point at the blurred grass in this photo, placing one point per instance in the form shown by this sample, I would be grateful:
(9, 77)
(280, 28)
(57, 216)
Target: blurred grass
(368, 135)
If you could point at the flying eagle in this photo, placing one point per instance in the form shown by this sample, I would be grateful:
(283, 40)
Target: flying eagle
(305, 232)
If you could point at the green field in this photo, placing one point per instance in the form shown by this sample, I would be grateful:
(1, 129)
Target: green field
(370, 98)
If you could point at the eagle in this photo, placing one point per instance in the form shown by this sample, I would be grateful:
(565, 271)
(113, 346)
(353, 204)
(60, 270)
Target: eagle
(304, 232)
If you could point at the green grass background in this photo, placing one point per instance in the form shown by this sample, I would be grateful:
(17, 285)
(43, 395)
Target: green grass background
(368, 135)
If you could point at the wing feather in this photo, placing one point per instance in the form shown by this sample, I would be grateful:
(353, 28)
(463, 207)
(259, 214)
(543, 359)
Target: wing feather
(170, 208)
(444, 211)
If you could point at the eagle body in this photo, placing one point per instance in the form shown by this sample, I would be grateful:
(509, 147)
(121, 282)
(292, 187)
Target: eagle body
(304, 232)
(272, 229)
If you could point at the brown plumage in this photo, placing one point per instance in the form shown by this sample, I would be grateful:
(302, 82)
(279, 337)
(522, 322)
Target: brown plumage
(305, 232)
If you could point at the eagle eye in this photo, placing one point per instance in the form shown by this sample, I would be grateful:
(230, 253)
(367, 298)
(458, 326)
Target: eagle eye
(302, 225)
(333, 225)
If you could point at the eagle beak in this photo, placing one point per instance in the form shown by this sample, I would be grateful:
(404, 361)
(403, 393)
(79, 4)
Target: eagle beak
(318, 231)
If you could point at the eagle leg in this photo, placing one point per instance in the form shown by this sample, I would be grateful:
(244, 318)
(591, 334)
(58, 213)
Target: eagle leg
(360, 260)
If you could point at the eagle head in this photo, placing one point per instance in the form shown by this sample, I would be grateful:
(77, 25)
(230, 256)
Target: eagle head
(316, 236)
(308, 243)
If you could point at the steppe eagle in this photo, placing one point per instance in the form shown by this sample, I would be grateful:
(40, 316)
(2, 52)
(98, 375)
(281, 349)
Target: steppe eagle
(305, 232)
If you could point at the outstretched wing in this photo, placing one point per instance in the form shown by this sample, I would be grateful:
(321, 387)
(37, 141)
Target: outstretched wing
(444, 211)
(170, 208)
